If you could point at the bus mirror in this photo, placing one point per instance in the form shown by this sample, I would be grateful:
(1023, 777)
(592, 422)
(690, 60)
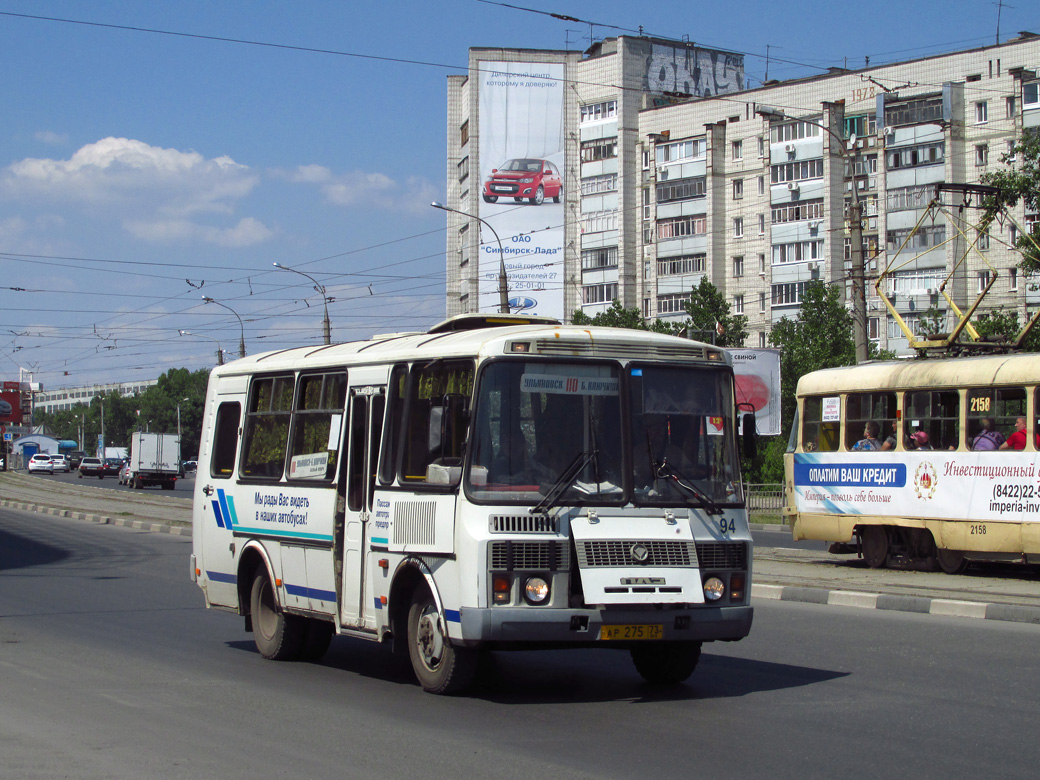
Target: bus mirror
(748, 436)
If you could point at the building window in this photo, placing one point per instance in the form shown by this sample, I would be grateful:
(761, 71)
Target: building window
(926, 236)
(684, 264)
(797, 252)
(738, 265)
(599, 293)
(788, 294)
(761, 146)
(681, 227)
(463, 168)
(874, 328)
(913, 156)
(593, 185)
(761, 185)
(672, 304)
(738, 227)
(646, 160)
(681, 151)
(598, 221)
(600, 149)
(981, 112)
(1010, 106)
(601, 257)
(738, 304)
(738, 189)
(983, 241)
(983, 280)
(792, 131)
(464, 133)
(1012, 278)
(917, 196)
(761, 303)
(597, 111)
(761, 263)
(680, 189)
(912, 112)
(1031, 94)
(737, 149)
(981, 154)
(1011, 155)
(762, 337)
(796, 171)
(796, 212)
(761, 224)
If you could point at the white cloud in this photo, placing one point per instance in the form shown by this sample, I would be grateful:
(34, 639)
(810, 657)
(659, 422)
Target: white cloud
(153, 191)
(51, 138)
(360, 188)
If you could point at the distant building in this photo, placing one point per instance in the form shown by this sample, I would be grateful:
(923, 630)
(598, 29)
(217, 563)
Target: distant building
(668, 179)
(67, 397)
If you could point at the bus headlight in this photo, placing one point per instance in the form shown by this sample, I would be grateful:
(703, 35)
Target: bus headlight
(714, 588)
(536, 590)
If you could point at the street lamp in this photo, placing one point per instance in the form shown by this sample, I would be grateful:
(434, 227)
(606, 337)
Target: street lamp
(179, 417)
(220, 352)
(859, 291)
(326, 327)
(503, 289)
(242, 338)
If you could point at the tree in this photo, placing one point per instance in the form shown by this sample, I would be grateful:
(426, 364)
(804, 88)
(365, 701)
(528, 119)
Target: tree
(1019, 181)
(709, 316)
(617, 316)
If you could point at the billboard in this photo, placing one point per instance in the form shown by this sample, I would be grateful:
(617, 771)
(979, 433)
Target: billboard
(756, 373)
(521, 179)
(11, 407)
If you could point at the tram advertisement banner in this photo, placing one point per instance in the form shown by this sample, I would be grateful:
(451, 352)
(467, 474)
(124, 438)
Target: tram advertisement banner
(936, 485)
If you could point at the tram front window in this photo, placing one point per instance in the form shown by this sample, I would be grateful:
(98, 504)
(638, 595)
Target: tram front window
(547, 431)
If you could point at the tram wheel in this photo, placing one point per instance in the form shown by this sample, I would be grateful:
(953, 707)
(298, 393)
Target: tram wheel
(875, 546)
(951, 561)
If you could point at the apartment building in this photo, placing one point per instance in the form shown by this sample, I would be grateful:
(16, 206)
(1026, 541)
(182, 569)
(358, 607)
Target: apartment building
(67, 397)
(665, 185)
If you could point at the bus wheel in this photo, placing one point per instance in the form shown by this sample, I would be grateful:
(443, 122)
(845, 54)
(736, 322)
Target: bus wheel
(439, 666)
(875, 546)
(951, 561)
(316, 639)
(666, 663)
(278, 636)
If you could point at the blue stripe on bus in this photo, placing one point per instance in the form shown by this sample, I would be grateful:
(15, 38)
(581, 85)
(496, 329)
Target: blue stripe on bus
(378, 540)
(452, 616)
(379, 604)
(219, 576)
(282, 534)
(217, 514)
(310, 593)
(229, 519)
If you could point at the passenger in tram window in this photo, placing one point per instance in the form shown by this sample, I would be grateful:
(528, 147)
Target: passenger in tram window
(1017, 440)
(869, 442)
(890, 441)
(920, 440)
(988, 438)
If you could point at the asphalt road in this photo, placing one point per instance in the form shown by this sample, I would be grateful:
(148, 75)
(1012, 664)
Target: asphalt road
(112, 668)
(183, 488)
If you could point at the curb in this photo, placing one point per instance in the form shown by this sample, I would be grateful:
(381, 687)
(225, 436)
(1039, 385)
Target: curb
(946, 607)
(140, 525)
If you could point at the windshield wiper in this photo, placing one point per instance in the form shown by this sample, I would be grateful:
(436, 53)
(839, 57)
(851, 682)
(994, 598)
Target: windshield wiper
(664, 470)
(564, 481)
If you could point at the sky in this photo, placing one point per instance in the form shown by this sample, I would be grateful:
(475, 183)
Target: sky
(153, 153)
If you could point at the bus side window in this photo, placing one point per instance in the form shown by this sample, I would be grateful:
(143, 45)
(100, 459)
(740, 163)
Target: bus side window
(436, 417)
(861, 408)
(937, 413)
(225, 440)
(388, 457)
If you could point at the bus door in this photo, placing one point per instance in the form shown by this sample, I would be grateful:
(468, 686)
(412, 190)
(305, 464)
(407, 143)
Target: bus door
(365, 428)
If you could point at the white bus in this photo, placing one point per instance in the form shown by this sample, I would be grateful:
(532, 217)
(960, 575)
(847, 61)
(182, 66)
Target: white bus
(954, 481)
(495, 483)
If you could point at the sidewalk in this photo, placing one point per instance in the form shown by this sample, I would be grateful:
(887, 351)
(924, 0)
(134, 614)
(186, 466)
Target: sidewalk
(1004, 592)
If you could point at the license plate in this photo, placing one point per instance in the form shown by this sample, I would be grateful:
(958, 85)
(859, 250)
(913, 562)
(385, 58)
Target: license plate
(504, 188)
(632, 632)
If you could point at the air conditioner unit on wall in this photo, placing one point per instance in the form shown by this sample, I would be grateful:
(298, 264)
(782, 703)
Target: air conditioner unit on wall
(792, 186)
(814, 266)
(890, 131)
(814, 224)
(662, 174)
(789, 148)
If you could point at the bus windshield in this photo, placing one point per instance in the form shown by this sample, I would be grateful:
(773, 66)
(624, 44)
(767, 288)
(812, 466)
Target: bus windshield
(553, 433)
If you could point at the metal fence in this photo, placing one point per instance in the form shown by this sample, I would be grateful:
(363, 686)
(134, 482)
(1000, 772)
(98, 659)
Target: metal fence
(768, 497)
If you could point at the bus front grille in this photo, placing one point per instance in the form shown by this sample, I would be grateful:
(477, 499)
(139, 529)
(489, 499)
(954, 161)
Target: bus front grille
(722, 555)
(616, 553)
(537, 556)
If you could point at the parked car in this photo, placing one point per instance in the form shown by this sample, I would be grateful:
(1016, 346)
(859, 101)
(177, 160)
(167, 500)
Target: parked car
(189, 466)
(40, 463)
(75, 457)
(524, 179)
(59, 463)
(92, 467)
(112, 466)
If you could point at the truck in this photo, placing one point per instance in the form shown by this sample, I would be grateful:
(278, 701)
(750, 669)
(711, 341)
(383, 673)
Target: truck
(154, 460)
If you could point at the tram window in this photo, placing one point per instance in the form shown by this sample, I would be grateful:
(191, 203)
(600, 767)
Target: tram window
(999, 404)
(225, 440)
(937, 413)
(267, 426)
(861, 408)
(818, 435)
(316, 426)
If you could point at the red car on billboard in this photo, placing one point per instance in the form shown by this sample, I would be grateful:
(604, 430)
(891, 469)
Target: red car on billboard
(527, 179)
